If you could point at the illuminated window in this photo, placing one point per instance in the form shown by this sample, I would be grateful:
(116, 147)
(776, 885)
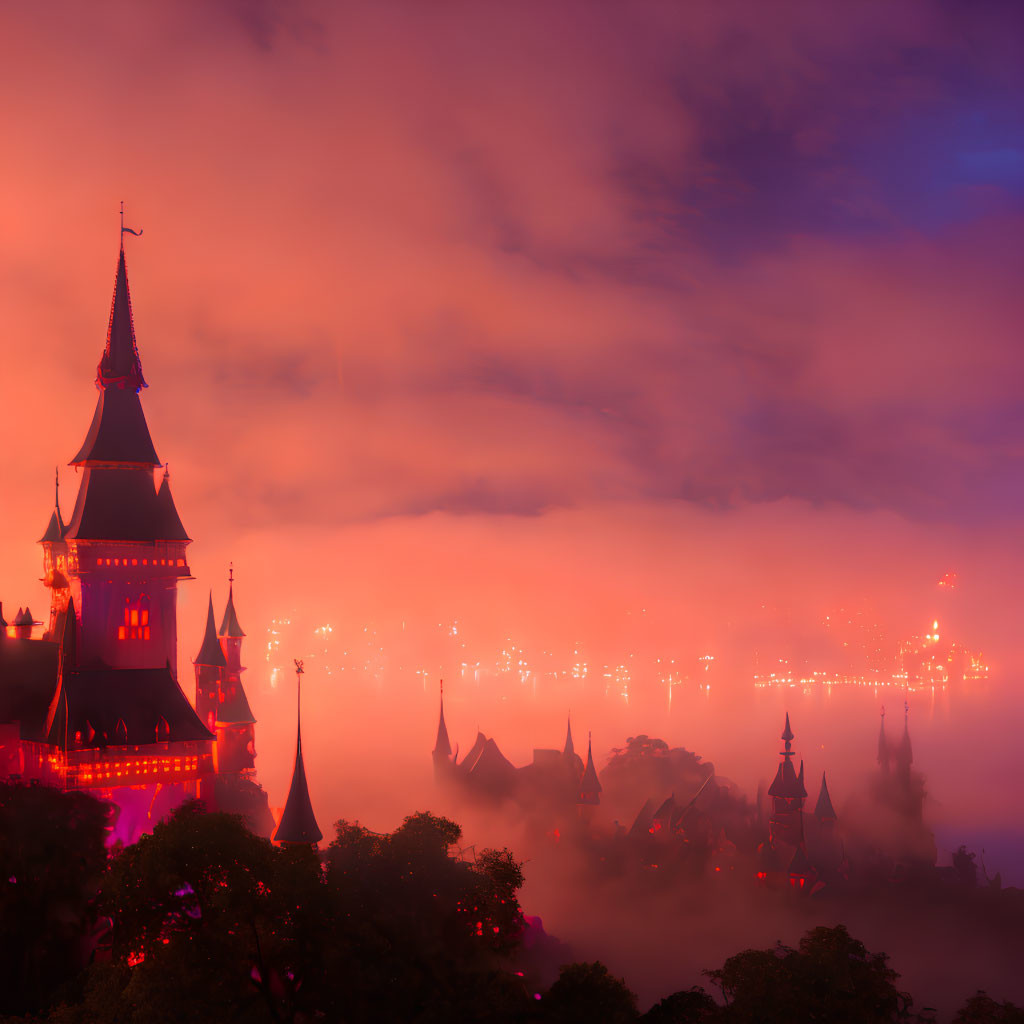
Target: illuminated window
(136, 619)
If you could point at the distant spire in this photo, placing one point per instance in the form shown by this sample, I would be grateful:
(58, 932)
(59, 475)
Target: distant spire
(298, 824)
(905, 753)
(443, 747)
(787, 733)
(210, 653)
(590, 784)
(883, 746)
(55, 527)
(120, 366)
(570, 750)
(823, 809)
(229, 624)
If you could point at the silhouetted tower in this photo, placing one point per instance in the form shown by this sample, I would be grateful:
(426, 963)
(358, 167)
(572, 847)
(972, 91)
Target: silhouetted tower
(568, 751)
(590, 786)
(788, 794)
(122, 553)
(298, 825)
(210, 664)
(236, 733)
(55, 561)
(442, 752)
(904, 755)
(883, 747)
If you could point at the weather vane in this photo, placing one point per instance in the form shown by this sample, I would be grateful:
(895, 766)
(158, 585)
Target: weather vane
(124, 229)
(298, 667)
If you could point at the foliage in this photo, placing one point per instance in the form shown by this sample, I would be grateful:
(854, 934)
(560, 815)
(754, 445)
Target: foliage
(981, 1008)
(693, 1006)
(52, 856)
(587, 992)
(830, 977)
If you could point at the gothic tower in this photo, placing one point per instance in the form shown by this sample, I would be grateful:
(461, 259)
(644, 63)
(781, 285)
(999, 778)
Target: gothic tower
(236, 733)
(788, 794)
(122, 553)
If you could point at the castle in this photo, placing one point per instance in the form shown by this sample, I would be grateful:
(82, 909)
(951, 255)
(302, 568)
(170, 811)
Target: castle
(95, 703)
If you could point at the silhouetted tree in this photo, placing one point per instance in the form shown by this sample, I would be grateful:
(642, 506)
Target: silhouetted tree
(693, 1006)
(830, 977)
(585, 993)
(52, 857)
(981, 1008)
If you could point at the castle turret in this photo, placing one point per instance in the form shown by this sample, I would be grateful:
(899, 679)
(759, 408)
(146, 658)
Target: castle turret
(209, 664)
(590, 785)
(235, 723)
(442, 752)
(568, 751)
(788, 794)
(823, 809)
(122, 552)
(298, 825)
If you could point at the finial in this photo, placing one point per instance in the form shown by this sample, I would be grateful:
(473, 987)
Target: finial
(883, 711)
(906, 710)
(56, 486)
(167, 471)
(442, 688)
(298, 666)
(231, 579)
(124, 229)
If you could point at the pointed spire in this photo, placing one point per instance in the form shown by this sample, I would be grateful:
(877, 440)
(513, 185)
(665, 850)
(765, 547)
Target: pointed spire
(298, 824)
(823, 809)
(169, 524)
(56, 527)
(905, 753)
(210, 653)
(120, 366)
(883, 746)
(570, 750)
(229, 624)
(590, 784)
(443, 747)
(787, 733)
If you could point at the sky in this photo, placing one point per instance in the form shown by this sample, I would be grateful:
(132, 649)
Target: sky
(650, 326)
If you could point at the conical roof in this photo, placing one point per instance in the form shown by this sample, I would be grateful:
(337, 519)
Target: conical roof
(229, 624)
(55, 528)
(823, 809)
(170, 525)
(298, 823)
(120, 366)
(211, 653)
(569, 750)
(590, 784)
(443, 747)
(787, 733)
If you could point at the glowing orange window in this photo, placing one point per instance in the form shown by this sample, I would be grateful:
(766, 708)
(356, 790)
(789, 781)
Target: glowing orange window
(136, 619)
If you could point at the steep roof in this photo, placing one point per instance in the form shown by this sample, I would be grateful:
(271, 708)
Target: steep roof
(120, 366)
(298, 823)
(442, 746)
(590, 785)
(210, 653)
(28, 677)
(568, 750)
(118, 432)
(787, 733)
(94, 701)
(229, 624)
(170, 522)
(823, 810)
(54, 529)
(121, 504)
(235, 708)
(787, 783)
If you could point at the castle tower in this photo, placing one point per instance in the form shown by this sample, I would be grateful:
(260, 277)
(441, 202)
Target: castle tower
(210, 664)
(788, 794)
(122, 553)
(883, 746)
(569, 751)
(903, 757)
(590, 786)
(55, 567)
(442, 752)
(235, 724)
(298, 825)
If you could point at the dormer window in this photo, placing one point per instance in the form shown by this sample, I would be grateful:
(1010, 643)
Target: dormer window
(136, 619)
